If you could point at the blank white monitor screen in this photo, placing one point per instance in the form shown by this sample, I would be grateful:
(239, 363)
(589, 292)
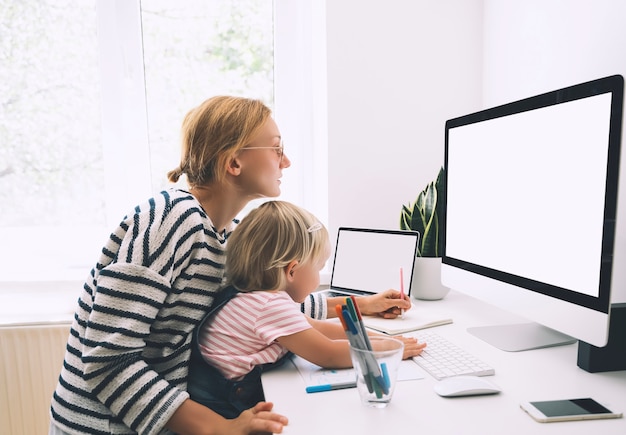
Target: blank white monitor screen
(530, 205)
(368, 261)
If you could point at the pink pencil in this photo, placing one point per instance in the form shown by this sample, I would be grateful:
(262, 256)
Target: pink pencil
(402, 291)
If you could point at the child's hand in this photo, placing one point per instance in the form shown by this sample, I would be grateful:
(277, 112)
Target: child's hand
(412, 347)
(258, 420)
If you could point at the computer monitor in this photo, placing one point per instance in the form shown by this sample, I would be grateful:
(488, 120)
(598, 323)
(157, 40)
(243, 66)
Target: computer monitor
(531, 200)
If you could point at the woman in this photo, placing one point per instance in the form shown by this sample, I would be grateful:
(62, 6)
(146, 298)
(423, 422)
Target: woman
(127, 357)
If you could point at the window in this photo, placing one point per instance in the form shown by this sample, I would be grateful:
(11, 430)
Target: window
(194, 49)
(93, 95)
(50, 155)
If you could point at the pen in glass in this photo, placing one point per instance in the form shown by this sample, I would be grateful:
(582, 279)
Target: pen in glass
(370, 365)
(353, 308)
(353, 338)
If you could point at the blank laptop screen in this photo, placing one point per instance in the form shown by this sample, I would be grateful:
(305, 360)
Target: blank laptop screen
(369, 261)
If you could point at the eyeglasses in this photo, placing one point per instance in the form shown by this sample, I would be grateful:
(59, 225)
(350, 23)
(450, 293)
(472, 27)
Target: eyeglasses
(280, 150)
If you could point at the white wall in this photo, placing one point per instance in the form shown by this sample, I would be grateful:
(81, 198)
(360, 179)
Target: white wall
(396, 71)
(534, 46)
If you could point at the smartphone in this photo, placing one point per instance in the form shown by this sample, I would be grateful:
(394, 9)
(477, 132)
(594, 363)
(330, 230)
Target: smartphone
(566, 410)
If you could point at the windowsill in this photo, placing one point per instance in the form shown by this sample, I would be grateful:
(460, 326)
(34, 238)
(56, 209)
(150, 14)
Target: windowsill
(29, 303)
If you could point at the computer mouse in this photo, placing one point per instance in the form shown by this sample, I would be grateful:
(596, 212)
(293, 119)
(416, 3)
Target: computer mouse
(457, 386)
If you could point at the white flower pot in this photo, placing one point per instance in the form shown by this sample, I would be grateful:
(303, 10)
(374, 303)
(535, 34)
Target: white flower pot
(426, 284)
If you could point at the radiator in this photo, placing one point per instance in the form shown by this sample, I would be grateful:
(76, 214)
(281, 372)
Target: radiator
(30, 361)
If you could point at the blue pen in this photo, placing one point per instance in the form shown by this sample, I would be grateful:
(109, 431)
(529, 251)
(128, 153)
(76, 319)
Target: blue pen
(358, 321)
(370, 366)
(330, 387)
(352, 334)
(386, 378)
(349, 323)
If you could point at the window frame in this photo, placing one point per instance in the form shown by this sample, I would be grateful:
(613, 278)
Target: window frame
(300, 111)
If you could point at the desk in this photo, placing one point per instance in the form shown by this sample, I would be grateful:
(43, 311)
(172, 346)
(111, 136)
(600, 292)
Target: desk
(541, 374)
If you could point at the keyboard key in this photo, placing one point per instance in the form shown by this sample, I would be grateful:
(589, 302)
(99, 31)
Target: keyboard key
(442, 359)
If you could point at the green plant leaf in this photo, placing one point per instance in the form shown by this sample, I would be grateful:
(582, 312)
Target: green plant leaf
(425, 217)
(405, 217)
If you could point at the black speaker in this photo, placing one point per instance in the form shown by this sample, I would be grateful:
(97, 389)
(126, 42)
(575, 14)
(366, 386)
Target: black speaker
(612, 356)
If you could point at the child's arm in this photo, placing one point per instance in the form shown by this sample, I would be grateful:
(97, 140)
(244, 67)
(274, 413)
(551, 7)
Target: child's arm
(316, 347)
(332, 330)
(326, 344)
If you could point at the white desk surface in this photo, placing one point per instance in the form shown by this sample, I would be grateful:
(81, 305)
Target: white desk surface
(541, 374)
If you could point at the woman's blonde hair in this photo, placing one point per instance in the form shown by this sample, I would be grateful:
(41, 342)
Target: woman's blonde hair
(267, 240)
(213, 133)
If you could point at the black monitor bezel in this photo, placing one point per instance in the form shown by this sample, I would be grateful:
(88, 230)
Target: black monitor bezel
(408, 233)
(615, 86)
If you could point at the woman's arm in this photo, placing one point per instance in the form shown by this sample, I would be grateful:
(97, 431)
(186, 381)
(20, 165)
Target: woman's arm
(387, 304)
(191, 418)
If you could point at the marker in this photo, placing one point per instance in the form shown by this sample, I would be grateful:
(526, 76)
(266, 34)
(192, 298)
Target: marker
(355, 341)
(339, 311)
(383, 367)
(401, 292)
(371, 370)
(330, 387)
(358, 319)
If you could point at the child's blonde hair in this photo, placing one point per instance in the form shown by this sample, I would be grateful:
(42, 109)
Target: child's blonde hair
(267, 240)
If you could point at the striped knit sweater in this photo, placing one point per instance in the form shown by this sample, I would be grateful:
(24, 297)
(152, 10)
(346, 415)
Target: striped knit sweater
(126, 361)
(127, 355)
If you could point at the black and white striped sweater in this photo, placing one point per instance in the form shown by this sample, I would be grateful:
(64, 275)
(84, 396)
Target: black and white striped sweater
(127, 355)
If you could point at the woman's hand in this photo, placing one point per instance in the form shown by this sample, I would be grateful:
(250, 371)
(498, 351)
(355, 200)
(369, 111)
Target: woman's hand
(387, 304)
(192, 418)
(258, 420)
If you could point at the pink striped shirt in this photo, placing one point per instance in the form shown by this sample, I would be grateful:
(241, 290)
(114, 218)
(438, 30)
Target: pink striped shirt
(243, 334)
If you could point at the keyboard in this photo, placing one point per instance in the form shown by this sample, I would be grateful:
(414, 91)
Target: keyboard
(442, 359)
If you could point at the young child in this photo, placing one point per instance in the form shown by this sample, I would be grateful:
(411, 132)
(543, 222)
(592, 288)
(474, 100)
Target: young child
(273, 264)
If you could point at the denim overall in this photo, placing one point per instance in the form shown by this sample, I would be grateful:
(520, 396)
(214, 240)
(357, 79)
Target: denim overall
(206, 385)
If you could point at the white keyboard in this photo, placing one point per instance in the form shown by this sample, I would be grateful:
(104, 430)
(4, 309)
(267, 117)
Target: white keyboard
(442, 359)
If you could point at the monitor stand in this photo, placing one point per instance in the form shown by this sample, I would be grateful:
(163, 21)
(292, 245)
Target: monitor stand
(520, 336)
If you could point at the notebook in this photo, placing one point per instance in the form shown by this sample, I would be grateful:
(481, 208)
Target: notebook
(414, 319)
(368, 261)
(317, 379)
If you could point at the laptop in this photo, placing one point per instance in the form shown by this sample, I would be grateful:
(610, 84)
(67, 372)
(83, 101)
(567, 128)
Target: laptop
(368, 261)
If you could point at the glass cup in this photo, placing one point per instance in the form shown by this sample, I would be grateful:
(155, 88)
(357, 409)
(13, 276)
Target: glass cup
(377, 370)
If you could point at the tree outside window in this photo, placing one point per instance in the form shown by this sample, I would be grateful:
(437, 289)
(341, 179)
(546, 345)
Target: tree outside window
(52, 175)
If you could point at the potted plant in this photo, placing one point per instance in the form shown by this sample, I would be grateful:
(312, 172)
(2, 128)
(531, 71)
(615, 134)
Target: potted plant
(425, 216)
